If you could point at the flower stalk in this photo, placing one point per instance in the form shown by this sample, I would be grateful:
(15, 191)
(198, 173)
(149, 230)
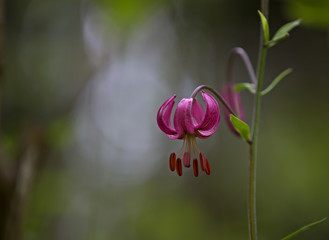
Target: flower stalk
(220, 98)
(245, 58)
(253, 149)
(252, 217)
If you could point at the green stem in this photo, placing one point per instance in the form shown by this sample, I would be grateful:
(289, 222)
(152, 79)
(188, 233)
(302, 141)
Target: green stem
(252, 220)
(264, 7)
(252, 217)
(253, 151)
(253, 148)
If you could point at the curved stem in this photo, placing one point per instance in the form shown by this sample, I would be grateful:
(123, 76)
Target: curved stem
(220, 98)
(245, 58)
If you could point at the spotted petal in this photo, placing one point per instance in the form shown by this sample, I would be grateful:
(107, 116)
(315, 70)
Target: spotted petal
(183, 122)
(211, 118)
(164, 114)
(197, 112)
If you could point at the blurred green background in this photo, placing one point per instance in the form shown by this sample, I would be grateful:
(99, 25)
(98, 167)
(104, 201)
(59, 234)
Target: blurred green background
(82, 156)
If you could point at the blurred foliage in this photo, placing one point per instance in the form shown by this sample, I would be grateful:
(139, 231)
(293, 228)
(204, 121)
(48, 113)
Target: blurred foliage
(313, 13)
(127, 13)
(59, 133)
(46, 204)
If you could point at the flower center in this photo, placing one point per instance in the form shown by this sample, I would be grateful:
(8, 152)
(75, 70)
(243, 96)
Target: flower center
(189, 145)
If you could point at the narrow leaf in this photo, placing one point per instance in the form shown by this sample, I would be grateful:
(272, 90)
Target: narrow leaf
(241, 86)
(303, 229)
(276, 81)
(266, 29)
(283, 32)
(241, 128)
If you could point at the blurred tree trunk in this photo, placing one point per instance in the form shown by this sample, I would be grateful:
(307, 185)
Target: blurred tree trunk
(2, 26)
(16, 175)
(24, 174)
(5, 169)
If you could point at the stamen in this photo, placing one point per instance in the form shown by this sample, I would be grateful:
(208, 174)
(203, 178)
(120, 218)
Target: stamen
(195, 145)
(187, 159)
(207, 167)
(189, 144)
(187, 153)
(186, 145)
(202, 161)
(172, 161)
(179, 169)
(195, 167)
(182, 147)
(194, 154)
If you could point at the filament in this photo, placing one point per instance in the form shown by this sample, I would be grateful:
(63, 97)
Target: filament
(196, 145)
(181, 148)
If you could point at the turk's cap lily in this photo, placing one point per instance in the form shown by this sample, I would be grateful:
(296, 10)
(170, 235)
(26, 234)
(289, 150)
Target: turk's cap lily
(189, 117)
(234, 101)
(190, 121)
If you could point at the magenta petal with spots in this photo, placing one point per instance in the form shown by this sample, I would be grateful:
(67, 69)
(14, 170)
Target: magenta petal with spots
(163, 116)
(197, 112)
(233, 100)
(183, 118)
(211, 118)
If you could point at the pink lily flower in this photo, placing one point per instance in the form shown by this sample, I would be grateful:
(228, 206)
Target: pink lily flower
(190, 121)
(233, 100)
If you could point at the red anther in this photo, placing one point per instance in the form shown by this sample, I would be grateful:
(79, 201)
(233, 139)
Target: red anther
(195, 167)
(202, 158)
(187, 159)
(207, 167)
(172, 161)
(179, 169)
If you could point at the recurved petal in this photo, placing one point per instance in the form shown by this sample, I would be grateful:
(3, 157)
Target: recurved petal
(197, 112)
(238, 106)
(163, 116)
(210, 121)
(183, 122)
(233, 100)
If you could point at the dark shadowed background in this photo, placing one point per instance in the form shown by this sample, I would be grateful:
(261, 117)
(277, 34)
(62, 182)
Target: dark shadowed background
(82, 156)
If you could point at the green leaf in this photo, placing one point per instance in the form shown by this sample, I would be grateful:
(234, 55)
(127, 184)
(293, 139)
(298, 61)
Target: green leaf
(303, 229)
(241, 86)
(276, 81)
(266, 29)
(241, 128)
(283, 32)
